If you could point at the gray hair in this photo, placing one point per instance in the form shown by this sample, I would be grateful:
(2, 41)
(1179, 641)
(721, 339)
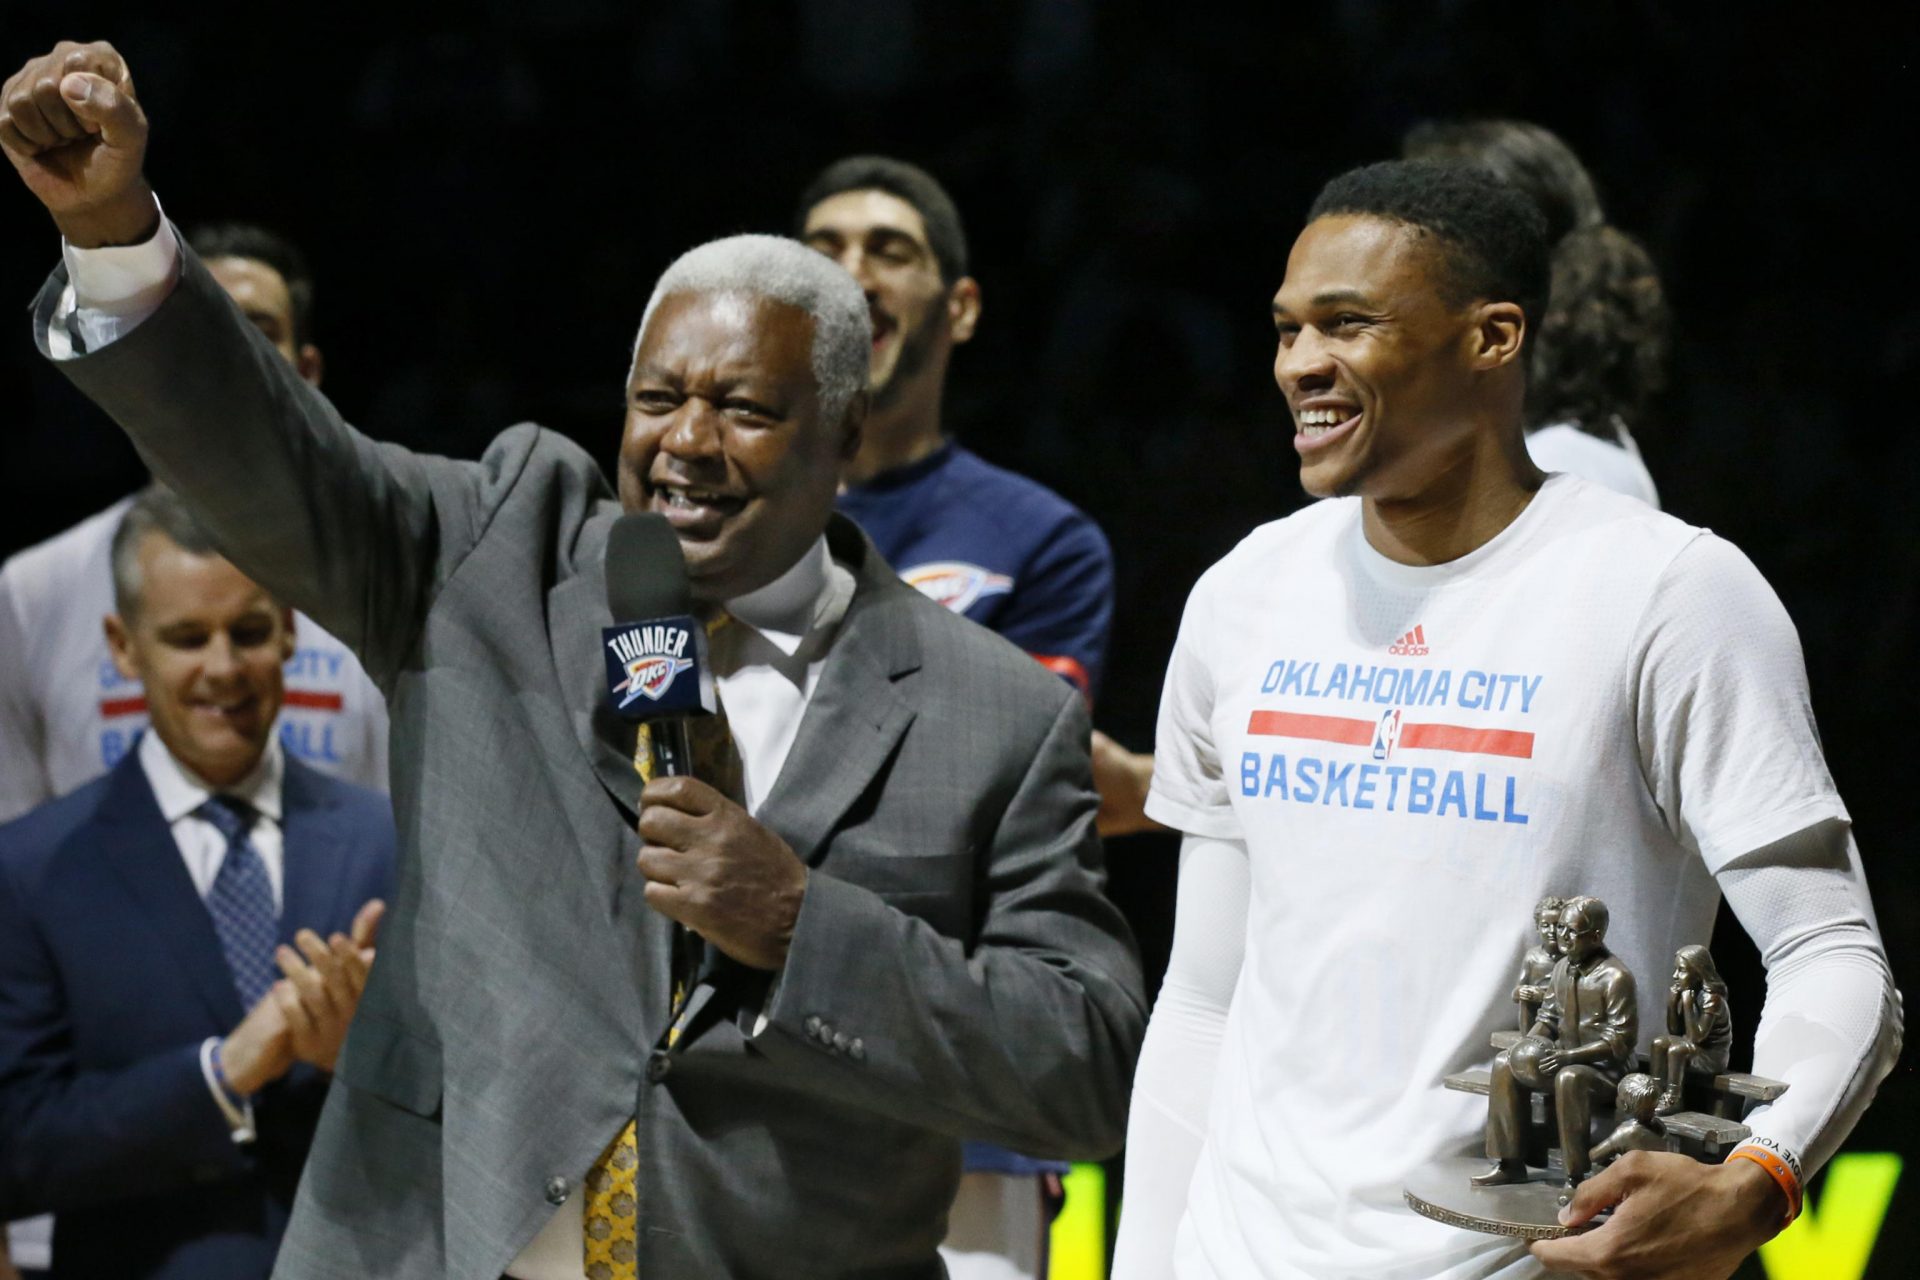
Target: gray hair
(156, 509)
(785, 271)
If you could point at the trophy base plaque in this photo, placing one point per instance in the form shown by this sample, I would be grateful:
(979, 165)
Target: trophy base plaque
(1528, 1210)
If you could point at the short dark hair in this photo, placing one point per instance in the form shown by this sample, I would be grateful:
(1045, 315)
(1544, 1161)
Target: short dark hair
(1602, 350)
(1492, 241)
(945, 234)
(248, 240)
(155, 509)
(1530, 156)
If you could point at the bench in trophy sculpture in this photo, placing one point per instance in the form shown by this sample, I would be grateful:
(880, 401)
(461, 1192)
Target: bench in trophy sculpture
(1572, 1070)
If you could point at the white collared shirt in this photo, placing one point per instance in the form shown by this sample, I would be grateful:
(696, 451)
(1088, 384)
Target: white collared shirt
(180, 793)
(767, 661)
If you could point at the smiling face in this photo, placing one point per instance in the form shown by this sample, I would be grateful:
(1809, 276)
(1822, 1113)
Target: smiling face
(917, 317)
(1376, 364)
(208, 644)
(1546, 922)
(724, 437)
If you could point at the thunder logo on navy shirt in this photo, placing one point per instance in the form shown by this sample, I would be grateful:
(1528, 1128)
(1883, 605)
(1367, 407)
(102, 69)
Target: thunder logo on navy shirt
(1000, 549)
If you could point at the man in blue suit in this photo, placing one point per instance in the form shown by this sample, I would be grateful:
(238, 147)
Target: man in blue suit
(182, 942)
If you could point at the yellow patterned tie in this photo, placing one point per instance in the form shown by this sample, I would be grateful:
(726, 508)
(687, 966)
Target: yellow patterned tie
(612, 1240)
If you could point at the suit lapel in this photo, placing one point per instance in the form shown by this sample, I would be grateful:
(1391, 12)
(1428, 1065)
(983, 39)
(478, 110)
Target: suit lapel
(137, 843)
(856, 716)
(576, 613)
(315, 881)
(851, 725)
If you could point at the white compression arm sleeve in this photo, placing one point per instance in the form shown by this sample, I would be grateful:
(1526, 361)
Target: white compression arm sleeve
(1831, 1026)
(1173, 1085)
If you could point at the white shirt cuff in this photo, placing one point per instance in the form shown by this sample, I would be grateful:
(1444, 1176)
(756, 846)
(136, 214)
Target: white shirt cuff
(111, 290)
(239, 1117)
(766, 1006)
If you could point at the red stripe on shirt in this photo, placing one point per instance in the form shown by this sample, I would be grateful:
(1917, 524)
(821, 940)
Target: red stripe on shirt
(1483, 742)
(1426, 737)
(1061, 665)
(308, 699)
(313, 701)
(1290, 724)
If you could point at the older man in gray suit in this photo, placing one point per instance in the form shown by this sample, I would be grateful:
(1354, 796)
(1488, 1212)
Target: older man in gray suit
(910, 866)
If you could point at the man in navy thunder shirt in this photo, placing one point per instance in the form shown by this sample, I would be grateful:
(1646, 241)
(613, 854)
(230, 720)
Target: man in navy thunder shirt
(997, 547)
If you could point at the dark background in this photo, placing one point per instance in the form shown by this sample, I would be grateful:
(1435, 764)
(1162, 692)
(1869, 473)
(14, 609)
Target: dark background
(487, 202)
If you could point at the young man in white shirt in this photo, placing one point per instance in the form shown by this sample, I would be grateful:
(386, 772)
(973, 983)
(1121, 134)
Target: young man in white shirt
(1395, 720)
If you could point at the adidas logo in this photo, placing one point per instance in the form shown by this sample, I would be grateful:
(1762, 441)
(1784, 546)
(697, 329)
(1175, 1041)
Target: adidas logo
(1411, 645)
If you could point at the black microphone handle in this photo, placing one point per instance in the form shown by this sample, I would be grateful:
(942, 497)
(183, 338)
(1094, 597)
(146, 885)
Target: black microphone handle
(673, 758)
(672, 749)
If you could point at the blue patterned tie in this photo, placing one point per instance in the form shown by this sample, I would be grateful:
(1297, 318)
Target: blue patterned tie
(241, 902)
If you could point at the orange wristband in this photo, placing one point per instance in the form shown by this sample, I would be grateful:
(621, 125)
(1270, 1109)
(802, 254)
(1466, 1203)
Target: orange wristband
(1778, 1169)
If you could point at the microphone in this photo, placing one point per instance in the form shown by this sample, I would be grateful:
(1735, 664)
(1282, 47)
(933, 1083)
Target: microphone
(656, 650)
(658, 675)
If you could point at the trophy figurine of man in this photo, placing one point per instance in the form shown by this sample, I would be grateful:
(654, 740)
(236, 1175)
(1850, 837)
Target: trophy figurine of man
(1580, 1044)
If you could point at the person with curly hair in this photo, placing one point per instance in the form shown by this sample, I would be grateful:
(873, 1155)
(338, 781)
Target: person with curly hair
(1599, 356)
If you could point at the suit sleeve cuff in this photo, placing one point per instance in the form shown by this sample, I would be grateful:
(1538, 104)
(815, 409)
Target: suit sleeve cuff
(800, 1002)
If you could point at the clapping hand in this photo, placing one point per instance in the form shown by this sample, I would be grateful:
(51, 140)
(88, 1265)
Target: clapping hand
(322, 987)
(304, 1016)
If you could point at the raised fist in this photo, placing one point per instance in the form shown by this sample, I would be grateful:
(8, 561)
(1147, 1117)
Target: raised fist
(73, 128)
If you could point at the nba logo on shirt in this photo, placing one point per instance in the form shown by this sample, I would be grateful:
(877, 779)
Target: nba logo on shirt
(1386, 734)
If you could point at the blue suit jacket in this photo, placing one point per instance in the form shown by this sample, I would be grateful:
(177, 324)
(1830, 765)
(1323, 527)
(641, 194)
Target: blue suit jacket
(111, 977)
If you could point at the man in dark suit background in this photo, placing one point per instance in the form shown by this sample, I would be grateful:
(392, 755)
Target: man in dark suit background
(182, 942)
(908, 875)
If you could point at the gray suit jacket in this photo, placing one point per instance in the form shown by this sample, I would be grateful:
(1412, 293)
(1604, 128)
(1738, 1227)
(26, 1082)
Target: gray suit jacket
(956, 971)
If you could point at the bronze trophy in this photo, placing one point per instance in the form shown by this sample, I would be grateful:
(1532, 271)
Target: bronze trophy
(1574, 1068)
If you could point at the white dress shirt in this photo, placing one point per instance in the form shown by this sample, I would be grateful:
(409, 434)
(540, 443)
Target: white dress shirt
(180, 794)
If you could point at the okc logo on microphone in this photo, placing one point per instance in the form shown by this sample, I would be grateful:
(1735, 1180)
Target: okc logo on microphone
(650, 677)
(643, 661)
